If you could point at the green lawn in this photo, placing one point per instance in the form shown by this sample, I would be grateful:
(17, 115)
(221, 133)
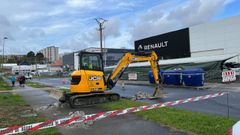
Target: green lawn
(12, 107)
(36, 85)
(4, 85)
(193, 122)
(64, 90)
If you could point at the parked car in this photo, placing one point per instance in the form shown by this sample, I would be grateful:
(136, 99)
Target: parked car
(28, 76)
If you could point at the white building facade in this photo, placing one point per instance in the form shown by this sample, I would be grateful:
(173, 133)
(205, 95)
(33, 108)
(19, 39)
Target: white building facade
(216, 38)
(51, 53)
(209, 39)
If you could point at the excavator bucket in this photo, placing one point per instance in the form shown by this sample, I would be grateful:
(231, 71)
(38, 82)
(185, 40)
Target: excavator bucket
(158, 92)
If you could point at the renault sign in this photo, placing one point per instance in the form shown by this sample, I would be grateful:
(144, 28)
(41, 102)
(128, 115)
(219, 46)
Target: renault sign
(170, 45)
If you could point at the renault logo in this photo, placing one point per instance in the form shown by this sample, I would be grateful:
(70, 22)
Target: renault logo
(140, 47)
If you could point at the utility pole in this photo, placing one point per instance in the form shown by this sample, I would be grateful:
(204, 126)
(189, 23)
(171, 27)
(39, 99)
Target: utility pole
(100, 22)
(3, 51)
(105, 56)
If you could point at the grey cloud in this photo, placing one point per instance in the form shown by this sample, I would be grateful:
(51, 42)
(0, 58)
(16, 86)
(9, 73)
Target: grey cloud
(112, 27)
(36, 33)
(24, 9)
(164, 19)
(6, 28)
(81, 41)
(36, 15)
(197, 11)
(90, 36)
(152, 15)
(4, 21)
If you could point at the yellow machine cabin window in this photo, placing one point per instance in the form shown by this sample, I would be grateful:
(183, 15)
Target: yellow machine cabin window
(91, 61)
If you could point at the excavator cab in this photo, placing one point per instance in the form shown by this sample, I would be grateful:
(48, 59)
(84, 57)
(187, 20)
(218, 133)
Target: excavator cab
(91, 61)
(90, 77)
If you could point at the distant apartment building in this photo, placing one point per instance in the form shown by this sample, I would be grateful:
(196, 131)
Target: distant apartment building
(13, 57)
(51, 53)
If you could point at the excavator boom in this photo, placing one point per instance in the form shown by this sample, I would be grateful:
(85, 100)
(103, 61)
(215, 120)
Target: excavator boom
(130, 58)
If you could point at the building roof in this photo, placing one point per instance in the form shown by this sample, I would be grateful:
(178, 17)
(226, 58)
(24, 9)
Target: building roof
(9, 64)
(57, 63)
(112, 50)
(24, 63)
(202, 59)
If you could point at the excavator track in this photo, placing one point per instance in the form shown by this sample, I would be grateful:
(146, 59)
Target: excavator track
(85, 100)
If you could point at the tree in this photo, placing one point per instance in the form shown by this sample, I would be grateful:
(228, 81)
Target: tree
(39, 58)
(30, 54)
(31, 57)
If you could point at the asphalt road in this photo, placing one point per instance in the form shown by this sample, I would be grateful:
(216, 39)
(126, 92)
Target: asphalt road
(127, 124)
(213, 106)
(216, 105)
(56, 82)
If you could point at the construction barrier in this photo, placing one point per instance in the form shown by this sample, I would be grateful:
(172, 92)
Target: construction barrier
(228, 76)
(235, 130)
(98, 116)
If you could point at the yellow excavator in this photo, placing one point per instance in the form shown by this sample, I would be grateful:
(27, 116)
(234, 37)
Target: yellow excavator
(88, 84)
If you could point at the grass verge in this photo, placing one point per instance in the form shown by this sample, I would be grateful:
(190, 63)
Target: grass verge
(4, 85)
(193, 122)
(13, 107)
(36, 85)
(64, 90)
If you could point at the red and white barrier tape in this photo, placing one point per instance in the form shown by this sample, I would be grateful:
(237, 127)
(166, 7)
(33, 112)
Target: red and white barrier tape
(98, 116)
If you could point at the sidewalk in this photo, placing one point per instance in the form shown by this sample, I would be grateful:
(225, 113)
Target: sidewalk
(7, 91)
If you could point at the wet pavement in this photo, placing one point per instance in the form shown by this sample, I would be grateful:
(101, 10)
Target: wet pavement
(217, 105)
(35, 97)
(127, 124)
(56, 82)
(123, 125)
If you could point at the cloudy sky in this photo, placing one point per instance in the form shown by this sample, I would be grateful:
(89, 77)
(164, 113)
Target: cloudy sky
(70, 24)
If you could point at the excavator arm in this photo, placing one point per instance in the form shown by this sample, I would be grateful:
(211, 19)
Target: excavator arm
(129, 58)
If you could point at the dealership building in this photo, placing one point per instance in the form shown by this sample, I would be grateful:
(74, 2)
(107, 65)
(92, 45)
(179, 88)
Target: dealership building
(209, 39)
(205, 46)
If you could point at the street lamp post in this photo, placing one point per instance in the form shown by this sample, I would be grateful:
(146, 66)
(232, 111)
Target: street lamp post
(3, 51)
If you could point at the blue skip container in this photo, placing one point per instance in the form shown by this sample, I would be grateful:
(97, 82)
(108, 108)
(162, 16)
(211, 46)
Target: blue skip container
(151, 78)
(171, 77)
(193, 77)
